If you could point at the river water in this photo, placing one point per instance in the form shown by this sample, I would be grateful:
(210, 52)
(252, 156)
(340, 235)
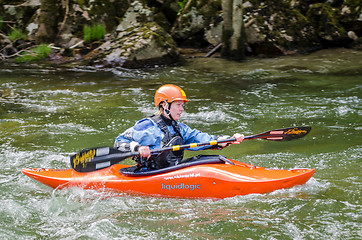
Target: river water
(48, 113)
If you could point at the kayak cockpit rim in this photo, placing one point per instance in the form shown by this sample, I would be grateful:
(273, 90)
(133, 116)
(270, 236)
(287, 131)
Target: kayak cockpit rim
(134, 171)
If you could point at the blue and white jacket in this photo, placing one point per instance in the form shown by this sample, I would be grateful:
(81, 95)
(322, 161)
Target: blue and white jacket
(147, 133)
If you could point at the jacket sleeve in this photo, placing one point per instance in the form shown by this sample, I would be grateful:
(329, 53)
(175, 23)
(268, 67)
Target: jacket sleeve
(145, 132)
(195, 136)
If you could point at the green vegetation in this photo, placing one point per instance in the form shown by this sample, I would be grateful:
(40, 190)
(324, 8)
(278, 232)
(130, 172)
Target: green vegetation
(182, 5)
(81, 2)
(17, 34)
(36, 53)
(93, 33)
(87, 32)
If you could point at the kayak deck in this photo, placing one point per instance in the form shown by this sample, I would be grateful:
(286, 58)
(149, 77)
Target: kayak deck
(214, 180)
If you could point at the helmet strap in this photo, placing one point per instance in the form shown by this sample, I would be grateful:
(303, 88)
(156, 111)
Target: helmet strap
(167, 110)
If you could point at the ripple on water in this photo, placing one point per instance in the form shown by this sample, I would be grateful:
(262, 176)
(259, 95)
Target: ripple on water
(74, 213)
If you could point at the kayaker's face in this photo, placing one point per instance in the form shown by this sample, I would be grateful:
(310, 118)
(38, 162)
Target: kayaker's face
(177, 109)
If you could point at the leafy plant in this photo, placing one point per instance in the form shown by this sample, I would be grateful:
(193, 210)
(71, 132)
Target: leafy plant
(87, 34)
(93, 33)
(17, 34)
(98, 32)
(182, 5)
(36, 53)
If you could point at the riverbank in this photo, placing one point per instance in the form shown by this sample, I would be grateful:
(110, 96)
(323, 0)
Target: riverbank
(144, 33)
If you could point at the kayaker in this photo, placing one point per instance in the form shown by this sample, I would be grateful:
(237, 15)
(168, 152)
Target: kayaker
(163, 129)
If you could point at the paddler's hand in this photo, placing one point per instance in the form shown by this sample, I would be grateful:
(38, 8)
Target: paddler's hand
(239, 138)
(144, 151)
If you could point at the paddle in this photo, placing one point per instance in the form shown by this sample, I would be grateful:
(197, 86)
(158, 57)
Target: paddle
(98, 158)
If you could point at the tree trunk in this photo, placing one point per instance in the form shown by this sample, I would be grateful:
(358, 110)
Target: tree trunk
(233, 30)
(48, 21)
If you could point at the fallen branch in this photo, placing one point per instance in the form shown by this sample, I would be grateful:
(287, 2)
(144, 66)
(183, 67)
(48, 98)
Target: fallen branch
(77, 44)
(248, 24)
(214, 50)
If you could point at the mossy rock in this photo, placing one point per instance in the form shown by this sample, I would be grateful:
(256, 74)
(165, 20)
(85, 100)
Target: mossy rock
(349, 15)
(324, 19)
(138, 46)
(350, 11)
(284, 30)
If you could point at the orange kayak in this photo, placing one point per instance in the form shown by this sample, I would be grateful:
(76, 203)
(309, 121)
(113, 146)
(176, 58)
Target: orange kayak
(199, 180)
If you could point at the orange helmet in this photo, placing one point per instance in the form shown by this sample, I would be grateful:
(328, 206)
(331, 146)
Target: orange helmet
(169, 93)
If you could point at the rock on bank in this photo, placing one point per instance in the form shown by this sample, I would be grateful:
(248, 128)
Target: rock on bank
(138, 46)
(139, 41)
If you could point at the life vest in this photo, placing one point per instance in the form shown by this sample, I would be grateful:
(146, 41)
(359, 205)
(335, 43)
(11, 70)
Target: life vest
(168, 158)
